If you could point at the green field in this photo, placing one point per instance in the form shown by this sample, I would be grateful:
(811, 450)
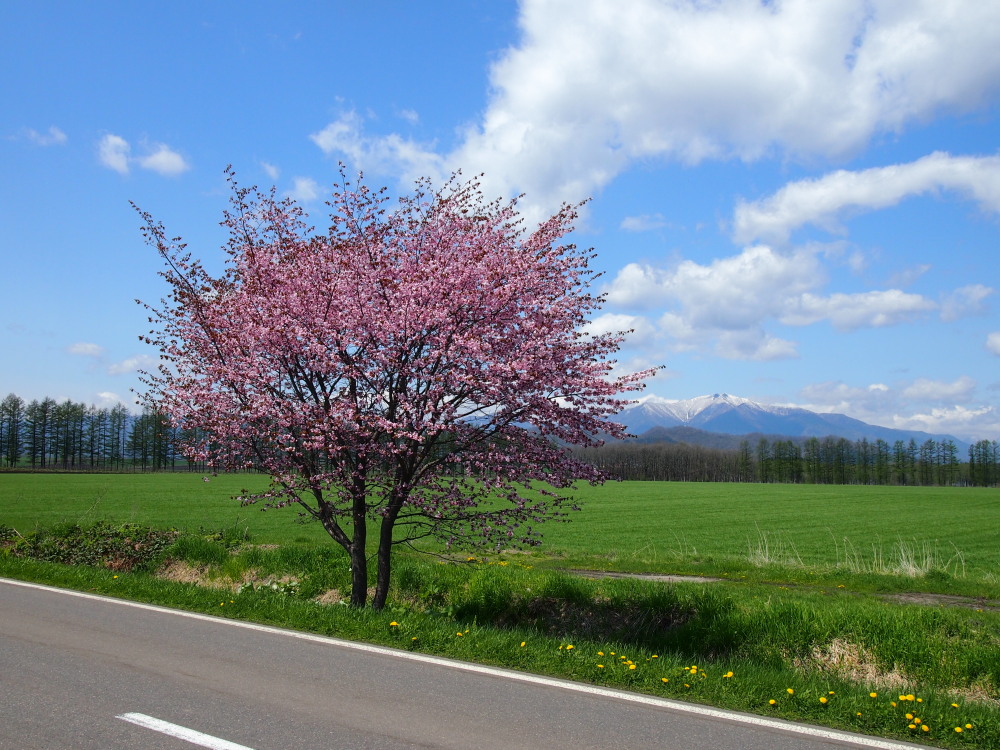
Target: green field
(765, 531)
(804, 627)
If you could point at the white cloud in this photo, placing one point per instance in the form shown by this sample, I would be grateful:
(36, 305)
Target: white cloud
(133, 364)
(108, 400)
(965, 301)
(304, 189)
(847, 312)
(393, 154)
(270, 170)
(930, 406)
(824, 201)
(592, 87)
(923, 389)
(52, 137)
(85, 349)
(164, 160)
(643, 223)
(113, 152)
(642, 330)
(993, 342)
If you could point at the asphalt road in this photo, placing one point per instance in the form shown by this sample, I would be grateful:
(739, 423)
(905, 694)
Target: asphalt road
(78, 671)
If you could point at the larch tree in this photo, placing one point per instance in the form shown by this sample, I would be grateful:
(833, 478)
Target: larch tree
(418, 369)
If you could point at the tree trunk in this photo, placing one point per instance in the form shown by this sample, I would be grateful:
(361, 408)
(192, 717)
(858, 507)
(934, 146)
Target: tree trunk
(384, 560)
(359, 559)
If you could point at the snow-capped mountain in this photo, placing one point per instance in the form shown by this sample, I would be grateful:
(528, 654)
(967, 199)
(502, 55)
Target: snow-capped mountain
(732, 415)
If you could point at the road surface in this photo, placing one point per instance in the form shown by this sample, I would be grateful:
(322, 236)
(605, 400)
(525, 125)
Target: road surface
(81, 671)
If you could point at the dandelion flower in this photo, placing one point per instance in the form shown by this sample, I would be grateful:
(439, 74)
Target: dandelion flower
(873, 695)
(858, 713)
(910, 697)
(831, 693)
(570, 647)
(631, 666)
(911, 726)
(968, 726)
(958, 729)
(954, 705)
(910, 717)
(413, 638)
(892, 703)
(393, 624)
(522, 643)
(655, 656)
(600, 653)
(925, 728)
(823, 699)
(790, 691)
(728, 674)
(772, 701)
(600, 666)
(459, 634)
(664, 679)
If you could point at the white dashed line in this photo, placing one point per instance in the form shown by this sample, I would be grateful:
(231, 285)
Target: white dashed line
(181, 733)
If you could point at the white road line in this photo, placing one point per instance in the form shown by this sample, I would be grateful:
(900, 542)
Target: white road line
(858, 740)
(182, 733)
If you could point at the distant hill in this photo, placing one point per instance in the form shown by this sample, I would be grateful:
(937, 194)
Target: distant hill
(722, 421)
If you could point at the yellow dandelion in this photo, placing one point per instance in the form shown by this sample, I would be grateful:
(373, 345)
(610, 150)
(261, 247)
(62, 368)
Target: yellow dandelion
(459, 634)
(413, 638)
(910, 697)
(393, 624)
(612, 653)
(114, 576)
(858, 713)
(686, 685)
(823, 699)
(790, 691)
(772, 701)
(909, 716)
(728, 674)
(831, 693)
(954, 705)
(655, 656)
(902, 697)
(570, 647)
(958, 729)
(631, 666)
(892, 703)
(600, 653)
(911, 726)
(600, 666)
(664, 679)
(925, 728)
(916, 720)
(522, 643)
(873, 695)
(968, 726)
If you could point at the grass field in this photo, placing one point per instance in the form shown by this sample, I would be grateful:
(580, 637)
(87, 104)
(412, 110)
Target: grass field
(798, 630)
(888, 537)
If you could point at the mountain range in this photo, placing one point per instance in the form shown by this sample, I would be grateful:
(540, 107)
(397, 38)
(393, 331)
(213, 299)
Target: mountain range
(732, 415)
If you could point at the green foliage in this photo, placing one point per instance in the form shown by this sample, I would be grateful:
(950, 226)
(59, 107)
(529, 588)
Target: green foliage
(121, 547)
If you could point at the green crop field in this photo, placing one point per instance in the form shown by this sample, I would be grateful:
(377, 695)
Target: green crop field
(662, 527)
(808, 626)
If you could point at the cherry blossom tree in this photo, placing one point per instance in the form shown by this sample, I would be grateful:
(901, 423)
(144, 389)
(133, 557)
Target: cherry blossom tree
(419, 369)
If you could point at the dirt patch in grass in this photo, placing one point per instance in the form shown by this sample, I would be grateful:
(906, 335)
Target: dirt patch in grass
(850, 661)
(644, 576)
(944, 600)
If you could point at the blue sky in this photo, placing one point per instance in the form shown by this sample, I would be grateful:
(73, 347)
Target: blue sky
(796, 202)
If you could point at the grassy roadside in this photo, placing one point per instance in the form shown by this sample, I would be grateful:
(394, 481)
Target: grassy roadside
(807, 654)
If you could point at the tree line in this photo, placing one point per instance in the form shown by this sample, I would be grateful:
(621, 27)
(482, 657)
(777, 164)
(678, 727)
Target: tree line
(70, 436)
(44, 434)
(829, 460)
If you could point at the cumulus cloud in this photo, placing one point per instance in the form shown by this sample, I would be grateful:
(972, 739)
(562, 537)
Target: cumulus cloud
(52, 137)
(592, 87)
(965, 301)
(86, 349)
(641, 329)
(730, 301)
(133, 364)
(304, 189)
(931, 406)
(848, 312)
(824, 201)
(926, 390)
(392, 154)
(114, 152)
(164, 160)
